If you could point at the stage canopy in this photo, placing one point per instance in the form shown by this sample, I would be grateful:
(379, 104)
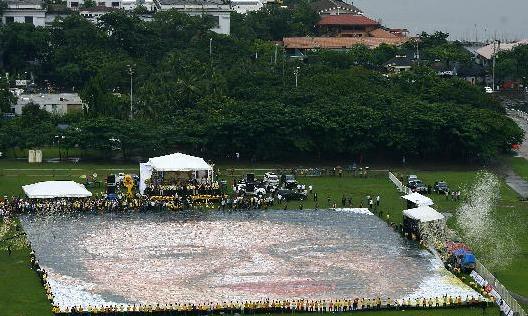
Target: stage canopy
(418, 199)
(423, 214)
(179, 162)
(55, 189)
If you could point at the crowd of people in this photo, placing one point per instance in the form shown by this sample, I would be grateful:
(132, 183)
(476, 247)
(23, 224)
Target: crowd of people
(185, 188)
(277, 306)
(15, 205)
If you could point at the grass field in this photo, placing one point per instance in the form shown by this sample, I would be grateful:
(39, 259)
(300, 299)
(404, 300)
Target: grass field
(16, 278)
(20, 290)
(520, 166)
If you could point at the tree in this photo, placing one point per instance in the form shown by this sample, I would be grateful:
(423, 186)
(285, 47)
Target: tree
(6, 97)
(89, 4)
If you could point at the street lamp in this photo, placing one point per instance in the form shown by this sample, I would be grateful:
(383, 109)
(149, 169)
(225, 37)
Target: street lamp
(296, 73)
(58, 139)
(211, 50)
(276, 47)
(131, 73)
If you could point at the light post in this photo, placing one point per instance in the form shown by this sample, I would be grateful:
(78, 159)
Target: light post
(211, 51)
(58, 139)
(131, 73)
(296, 73)
(276, 47)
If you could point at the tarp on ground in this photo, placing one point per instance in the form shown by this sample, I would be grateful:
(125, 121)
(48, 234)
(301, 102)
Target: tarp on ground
(418, 199)
(179, 162)
(423, 214)
(56, 189)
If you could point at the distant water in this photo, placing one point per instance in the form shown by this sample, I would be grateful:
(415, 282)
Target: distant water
(463, 19)
(215, 256)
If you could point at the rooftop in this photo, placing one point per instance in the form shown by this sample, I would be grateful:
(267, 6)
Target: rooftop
(326, 5)
(24, 2)
(347, 19)
(339, 42)
(379, 32)
(489, 50)
(99, 8)
(50, 98)
(191, 2)
(405, 60)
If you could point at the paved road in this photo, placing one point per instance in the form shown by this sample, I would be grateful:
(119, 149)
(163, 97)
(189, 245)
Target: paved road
(515, 182)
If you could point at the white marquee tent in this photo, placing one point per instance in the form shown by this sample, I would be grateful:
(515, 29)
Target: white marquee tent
(55, 189)
(423, 214)
(176, 162)
(418, 199)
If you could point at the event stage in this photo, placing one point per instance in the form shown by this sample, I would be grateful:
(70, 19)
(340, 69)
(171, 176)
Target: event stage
(213, 256)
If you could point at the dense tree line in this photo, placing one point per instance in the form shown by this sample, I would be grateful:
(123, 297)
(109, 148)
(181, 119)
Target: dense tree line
(216, 95)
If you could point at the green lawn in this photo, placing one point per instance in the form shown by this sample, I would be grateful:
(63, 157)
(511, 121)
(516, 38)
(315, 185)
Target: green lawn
(510, 209)
(520, 166)
(21, 293)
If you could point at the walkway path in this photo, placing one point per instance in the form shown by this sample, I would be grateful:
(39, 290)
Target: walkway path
(514, 181)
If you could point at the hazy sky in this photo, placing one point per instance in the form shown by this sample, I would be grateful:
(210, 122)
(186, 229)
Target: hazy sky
(506, 18)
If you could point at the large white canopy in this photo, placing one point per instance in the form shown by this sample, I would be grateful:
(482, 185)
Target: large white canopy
(418, 199)
(55, 189)
(423, 214)
(179, 162)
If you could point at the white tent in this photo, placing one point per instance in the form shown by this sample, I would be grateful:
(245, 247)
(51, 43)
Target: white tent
(55, 189)
(179, 162)
(423, 214)
(174, 162)
(418, 199)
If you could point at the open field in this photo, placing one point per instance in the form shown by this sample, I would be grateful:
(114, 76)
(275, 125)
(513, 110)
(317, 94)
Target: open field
(520, 166)
(512, 212)
(20, 290)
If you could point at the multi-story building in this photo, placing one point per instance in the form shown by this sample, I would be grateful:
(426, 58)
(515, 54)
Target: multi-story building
(25, 11)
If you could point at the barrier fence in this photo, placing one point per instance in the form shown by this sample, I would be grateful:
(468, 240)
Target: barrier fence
(401, 187)
(508, 305)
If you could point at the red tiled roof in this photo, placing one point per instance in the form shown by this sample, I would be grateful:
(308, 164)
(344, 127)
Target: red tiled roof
(347, 19)
(339, 42)
(379, 32)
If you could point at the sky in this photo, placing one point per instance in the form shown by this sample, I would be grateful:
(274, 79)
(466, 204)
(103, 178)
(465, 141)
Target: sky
(463, 19)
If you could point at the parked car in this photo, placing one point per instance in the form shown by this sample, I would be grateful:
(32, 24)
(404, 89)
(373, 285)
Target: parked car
(488, 89)
(291, 195)
(420, 187)
(271, 178)
(412, 177)
(288, 181)
(441, 187)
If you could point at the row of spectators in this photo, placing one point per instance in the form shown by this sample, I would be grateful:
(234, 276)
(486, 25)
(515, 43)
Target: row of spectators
(277, 306)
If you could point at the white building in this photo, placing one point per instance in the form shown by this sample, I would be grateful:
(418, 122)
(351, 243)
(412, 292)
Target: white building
(116, 4)
(56, 103)
(220, 11)
(25, 11)
(94, 13)
(244, 6)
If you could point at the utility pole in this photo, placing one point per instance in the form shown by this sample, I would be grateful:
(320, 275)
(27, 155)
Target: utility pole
(276, 47)
(211, 51)
(131, 73)
(418, 52)
(296, 73)
(496, 49)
